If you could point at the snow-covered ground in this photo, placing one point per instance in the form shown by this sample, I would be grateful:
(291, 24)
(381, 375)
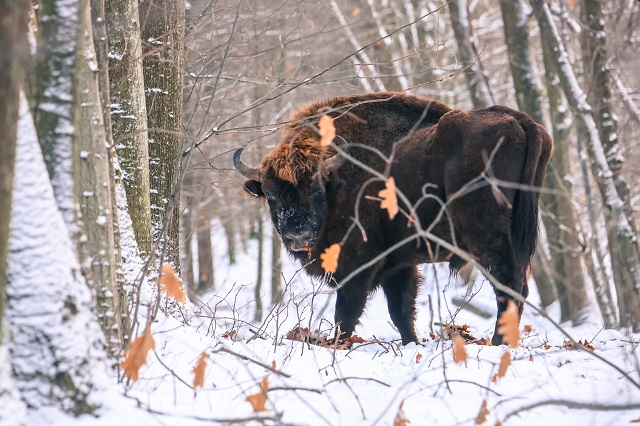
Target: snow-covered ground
(546, 383)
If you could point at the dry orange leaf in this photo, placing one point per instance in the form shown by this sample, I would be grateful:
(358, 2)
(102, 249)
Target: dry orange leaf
(418, 358)
(330, 258)
(505, 362)
(531, 357)
(459, 352)
(483, 413)
(355, 12)
(258, 400)
(198, 370)
(137, 354)
(509, 325)
(389, 199)
(327, 130)
(400, 419)
(527, 328)
(171, 284)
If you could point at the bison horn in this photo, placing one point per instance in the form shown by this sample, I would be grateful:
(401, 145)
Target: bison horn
(338, 160)
(242, 168)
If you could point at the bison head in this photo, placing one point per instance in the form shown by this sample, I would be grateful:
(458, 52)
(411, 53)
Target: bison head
(297, 180)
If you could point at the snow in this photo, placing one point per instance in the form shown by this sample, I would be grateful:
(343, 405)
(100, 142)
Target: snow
(367, 384)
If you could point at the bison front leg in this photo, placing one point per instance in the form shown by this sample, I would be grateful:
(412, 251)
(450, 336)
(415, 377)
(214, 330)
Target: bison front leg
(350, 303)
(401, 290)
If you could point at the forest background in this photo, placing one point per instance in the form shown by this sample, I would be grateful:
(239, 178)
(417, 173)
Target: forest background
(120, 119)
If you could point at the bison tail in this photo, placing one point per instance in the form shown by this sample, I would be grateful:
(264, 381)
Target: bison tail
(524, 223)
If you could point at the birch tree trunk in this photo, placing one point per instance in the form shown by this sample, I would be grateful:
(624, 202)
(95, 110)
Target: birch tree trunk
(622, 242)
(565, 265)
(163, 68)
(481, 96)
(129, 114)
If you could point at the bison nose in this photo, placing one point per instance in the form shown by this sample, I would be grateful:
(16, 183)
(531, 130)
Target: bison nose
(298, 240)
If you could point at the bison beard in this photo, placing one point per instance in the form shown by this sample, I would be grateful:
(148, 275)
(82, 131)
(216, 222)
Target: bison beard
(312, 195)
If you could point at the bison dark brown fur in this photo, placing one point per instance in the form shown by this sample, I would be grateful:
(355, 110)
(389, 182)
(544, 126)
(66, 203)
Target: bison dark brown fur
(312, 195)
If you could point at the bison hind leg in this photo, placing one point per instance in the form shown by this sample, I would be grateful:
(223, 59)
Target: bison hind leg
(400, 287)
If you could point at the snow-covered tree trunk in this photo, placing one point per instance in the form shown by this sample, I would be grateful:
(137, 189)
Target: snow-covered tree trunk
(14, 48)
(52, 99)
(101, 42)
(93, 182)
(54, 340)
(563, 229)
(481, 96)
(566, 268)
(600, 97)
(129, 113)
(163, 68)
(622, 242)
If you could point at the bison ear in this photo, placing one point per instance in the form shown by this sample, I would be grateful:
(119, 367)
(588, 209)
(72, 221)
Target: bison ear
(254, 188)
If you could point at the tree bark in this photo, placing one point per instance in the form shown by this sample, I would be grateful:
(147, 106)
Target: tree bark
(481, 96)
(52, 98)
(276, 268)
(187, 231)
(259, 235)
(163, 68)
(93, 183)
(622, 243)
(100, 39)
(562, 225)
(129, 114)
(599, 95)
(205, 255)
(529, 99)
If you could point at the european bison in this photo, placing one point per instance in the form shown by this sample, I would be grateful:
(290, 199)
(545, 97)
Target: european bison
(313, 192)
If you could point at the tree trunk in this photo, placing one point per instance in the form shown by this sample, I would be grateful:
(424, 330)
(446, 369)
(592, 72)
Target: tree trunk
(186, 237)
(14, 48)
(205, 256)
(49, 307)
(93, 183)
(563, 225)
(51, 100)
(481, 96)
(100, 39)
(259, 235)
(229, 232)
(276, 268)
(595, 262)
(625, 258)
(163, 68)
(13, 64)
(129, 114)
(529, 98)
(599, 95)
